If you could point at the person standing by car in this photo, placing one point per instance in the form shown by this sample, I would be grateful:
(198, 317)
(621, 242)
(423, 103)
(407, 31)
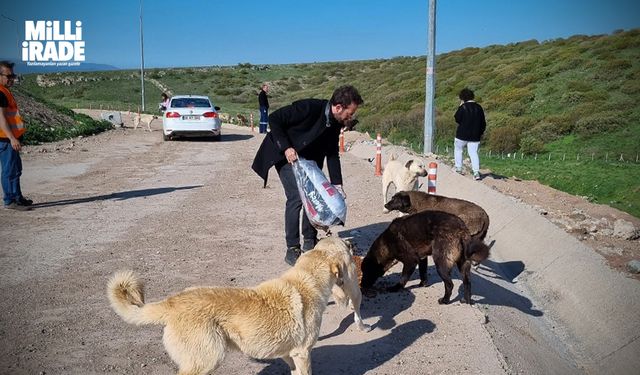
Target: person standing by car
(471, 126)
(308, 128)
(11, 130)
(164, 104)
(263, 102)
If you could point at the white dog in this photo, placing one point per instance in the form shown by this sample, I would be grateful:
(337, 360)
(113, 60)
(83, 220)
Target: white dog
(403, 176)
(147, 119)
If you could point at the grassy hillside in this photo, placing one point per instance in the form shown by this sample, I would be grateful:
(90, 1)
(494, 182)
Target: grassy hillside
(572, 99)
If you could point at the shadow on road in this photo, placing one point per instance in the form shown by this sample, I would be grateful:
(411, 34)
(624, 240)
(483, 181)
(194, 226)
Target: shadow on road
(123, 195)
(384, 305)
(364, 236)
(497, 295)
(358, 359)
(224, 138)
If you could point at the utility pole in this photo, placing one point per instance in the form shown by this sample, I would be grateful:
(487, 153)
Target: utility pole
(429, 112)
(141, 57)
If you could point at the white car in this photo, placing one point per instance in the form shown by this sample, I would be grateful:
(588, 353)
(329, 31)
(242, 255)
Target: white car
(191, 116)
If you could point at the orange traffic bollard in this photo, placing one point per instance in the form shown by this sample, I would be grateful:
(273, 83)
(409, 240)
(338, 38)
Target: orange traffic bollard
(251, 120)
(432, 177)
(378, 155)
(342, 140)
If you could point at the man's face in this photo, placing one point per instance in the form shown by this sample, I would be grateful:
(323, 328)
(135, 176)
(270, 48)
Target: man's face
(6, 76)
(344, 114)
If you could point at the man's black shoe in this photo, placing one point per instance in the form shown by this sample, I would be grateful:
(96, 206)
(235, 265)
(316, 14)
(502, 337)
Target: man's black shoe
(17, 206)
(25, 201)
(293, 253)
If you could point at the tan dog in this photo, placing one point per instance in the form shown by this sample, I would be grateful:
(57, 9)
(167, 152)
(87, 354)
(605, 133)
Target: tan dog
(403, 176)
(147, 119)
(473, 216)
(278, 318)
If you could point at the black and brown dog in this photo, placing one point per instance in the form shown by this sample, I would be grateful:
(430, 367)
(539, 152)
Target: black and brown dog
(411, 239)
(473, 216)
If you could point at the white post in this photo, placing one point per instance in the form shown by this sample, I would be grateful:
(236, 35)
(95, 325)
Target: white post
(429, 102)
(141, 57)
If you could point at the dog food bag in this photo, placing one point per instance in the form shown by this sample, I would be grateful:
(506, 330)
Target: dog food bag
(322, 202)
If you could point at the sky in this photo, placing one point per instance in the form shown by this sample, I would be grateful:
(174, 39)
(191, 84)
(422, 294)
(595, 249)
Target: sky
(182, 33)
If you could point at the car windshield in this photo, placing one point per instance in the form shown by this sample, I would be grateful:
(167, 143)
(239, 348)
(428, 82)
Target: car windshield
(190, 103)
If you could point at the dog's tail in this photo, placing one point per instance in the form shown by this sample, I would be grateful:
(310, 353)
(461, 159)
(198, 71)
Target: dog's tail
(125, 292)
(476, 250)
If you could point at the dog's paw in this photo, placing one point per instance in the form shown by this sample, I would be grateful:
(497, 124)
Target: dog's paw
(364, 327)
(443, 301)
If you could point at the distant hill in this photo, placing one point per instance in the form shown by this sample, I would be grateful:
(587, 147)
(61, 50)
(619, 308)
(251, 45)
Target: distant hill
(534, 92)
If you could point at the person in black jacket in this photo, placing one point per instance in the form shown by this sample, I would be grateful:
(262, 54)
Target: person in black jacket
(471, 126)
(308, 128)
(263, 102)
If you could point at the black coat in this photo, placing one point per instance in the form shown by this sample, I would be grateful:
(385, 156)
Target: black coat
(303, 126)
(263, 101)
(471, 122)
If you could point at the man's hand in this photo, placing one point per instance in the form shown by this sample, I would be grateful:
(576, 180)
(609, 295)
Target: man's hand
(291, 155)
(341, 191)
(15, 144)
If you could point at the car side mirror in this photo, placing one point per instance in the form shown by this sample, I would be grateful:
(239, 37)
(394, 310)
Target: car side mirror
(216, 108)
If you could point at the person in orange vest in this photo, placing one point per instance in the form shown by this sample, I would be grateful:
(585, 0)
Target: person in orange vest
(11, 130)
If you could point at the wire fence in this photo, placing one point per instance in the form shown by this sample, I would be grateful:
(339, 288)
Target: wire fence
(607, 157)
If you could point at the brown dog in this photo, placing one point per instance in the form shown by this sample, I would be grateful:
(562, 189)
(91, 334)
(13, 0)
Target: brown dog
(242, 120)
(411, 202)
(410, 239)
(278, 318)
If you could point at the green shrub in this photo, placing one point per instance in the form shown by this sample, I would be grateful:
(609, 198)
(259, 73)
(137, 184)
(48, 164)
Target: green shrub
(505, 139)
(599, 123)
(446, 127)
(630, 87)
(531, 145)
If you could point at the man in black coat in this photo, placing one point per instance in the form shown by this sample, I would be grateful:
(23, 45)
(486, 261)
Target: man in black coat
(309, 128)
(263, 102)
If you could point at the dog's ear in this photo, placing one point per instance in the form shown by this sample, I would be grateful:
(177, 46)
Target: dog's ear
(405, 201)
(337, 272)
(408, 165)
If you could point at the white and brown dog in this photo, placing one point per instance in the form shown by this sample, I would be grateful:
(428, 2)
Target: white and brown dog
(403, 176)
(147, 119)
